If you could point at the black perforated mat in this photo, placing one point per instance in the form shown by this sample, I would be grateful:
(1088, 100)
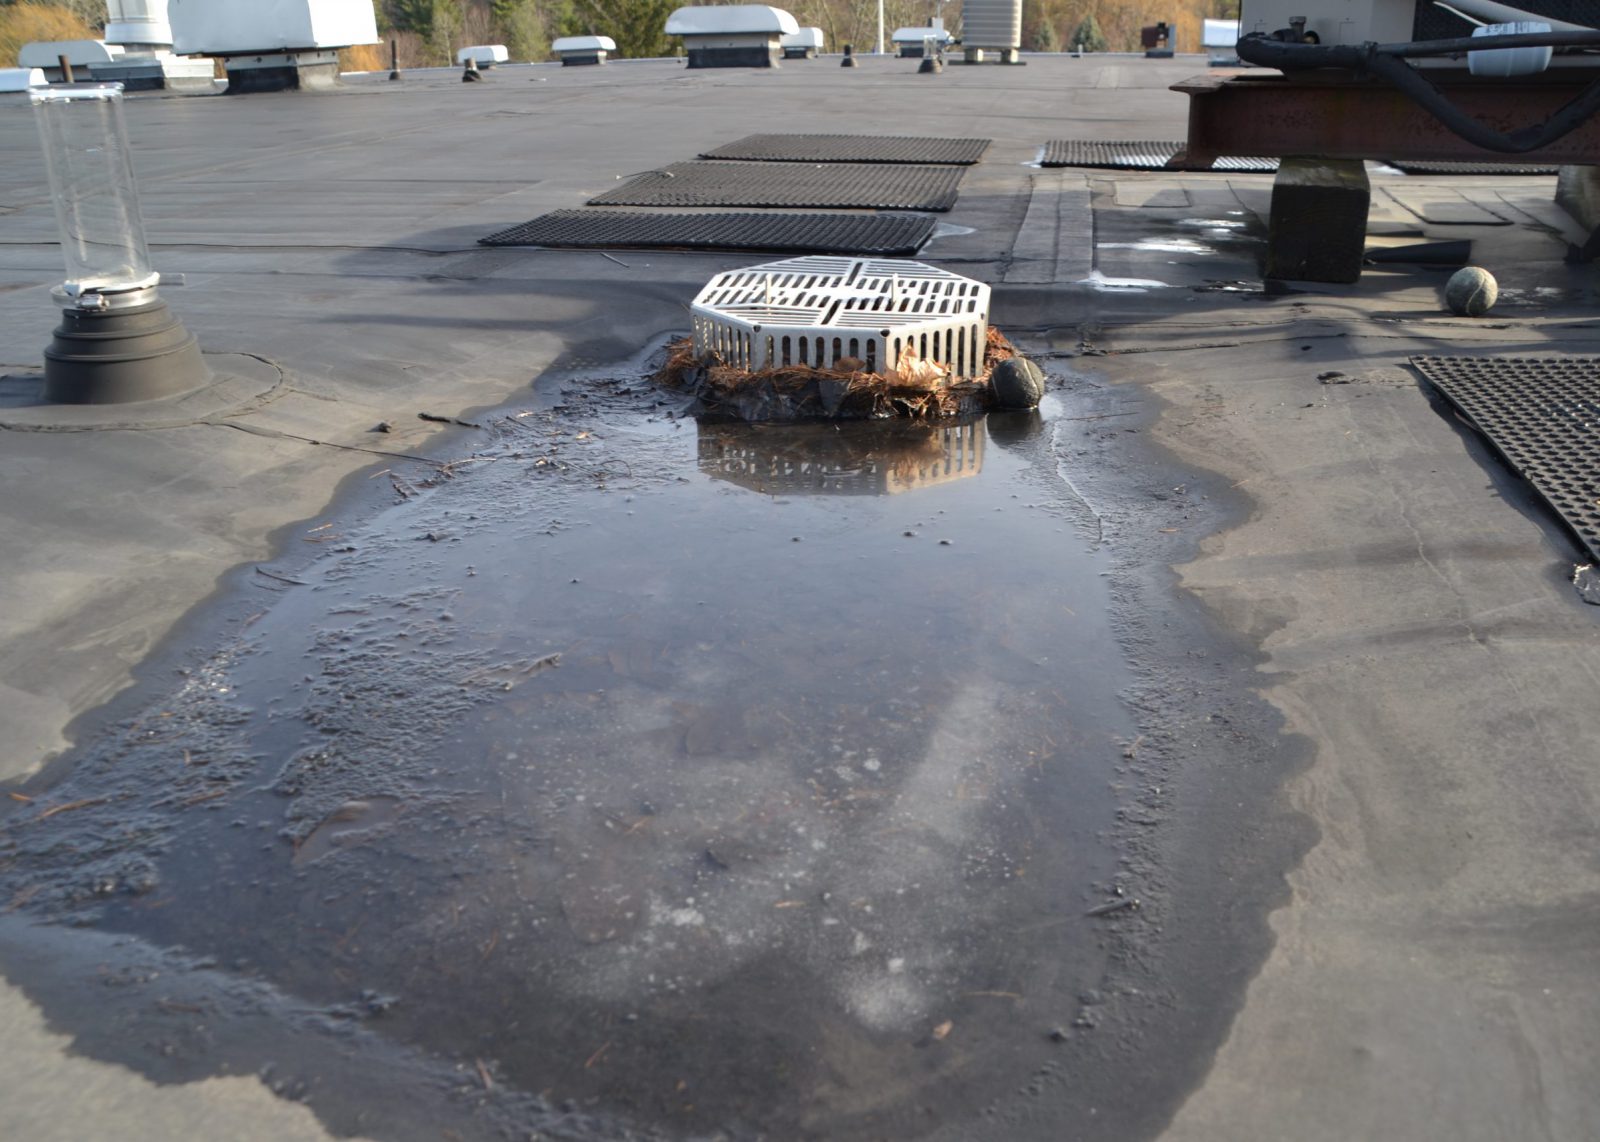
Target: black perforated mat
(852, 149)
(1411, 166)
(843, 185)
(878, 234)
(1137, 156)
(1543, 416)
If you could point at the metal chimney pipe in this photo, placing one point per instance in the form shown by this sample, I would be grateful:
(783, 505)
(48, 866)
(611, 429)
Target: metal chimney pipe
(138, 24)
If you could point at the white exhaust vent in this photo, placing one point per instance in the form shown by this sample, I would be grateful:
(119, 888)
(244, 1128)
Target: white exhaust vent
(871, 314)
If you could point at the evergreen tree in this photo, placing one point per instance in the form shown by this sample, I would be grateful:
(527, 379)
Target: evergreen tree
(1089, 36)
(518, 25)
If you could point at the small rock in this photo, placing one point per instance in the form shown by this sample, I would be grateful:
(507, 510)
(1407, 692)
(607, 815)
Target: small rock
(1057, 1034)
(1017, 383)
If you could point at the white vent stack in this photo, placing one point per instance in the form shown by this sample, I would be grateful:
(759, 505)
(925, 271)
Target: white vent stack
(818, 311)
(732, 35)
(138, 25)
(991, 26)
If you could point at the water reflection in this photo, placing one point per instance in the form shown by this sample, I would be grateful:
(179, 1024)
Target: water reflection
(856, 458)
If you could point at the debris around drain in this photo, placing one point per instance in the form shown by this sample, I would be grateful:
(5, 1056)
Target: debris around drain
(919, 388)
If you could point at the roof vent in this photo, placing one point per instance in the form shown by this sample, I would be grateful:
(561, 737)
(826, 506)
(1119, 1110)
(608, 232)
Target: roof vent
(846, 314)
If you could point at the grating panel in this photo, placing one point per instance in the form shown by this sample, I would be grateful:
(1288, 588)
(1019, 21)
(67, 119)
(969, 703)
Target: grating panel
(882, 234)
(1138, 156)
(1543, 416)
(835, 185)
(1428, 167)
(852, 149)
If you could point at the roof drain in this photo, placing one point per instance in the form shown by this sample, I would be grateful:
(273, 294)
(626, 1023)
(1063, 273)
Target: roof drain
(845, 314)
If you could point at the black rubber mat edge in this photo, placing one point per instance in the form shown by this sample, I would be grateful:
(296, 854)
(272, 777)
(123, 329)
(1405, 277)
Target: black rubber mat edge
(1542, 415)
(888, 149)
(861, 234)
(1145, 155)
(793, 186)
(1411, 166)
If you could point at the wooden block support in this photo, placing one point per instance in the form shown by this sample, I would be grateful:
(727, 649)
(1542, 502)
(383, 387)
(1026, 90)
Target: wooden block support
(1318, 228)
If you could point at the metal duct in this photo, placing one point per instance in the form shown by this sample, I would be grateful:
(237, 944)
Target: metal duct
(138, 22)
(991, 24)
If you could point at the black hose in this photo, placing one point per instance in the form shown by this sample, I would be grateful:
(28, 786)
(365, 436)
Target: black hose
(1385, 61)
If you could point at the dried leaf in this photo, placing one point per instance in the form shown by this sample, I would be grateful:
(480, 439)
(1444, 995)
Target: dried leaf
(943, 1030)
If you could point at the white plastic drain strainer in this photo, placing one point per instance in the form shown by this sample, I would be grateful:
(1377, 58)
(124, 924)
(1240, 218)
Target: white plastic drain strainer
(820, 311)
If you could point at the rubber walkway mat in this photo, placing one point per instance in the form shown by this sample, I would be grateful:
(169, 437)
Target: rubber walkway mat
(1138, 156)
(841, 185)
(1543, 416)
(1429, 167)
(852, 149)
(879, 234)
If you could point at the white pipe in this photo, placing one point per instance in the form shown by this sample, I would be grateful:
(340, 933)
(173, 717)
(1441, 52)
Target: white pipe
(1496, 13)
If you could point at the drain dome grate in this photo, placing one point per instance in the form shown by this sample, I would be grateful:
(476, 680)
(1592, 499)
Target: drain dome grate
(868, 313)
(1543, 416)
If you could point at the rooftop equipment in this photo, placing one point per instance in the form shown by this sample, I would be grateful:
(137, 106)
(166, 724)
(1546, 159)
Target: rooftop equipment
(46, 55)
(804, 44)
(847, 314)
(484, 55)
(910, 43)
(283, 45)
(1220, 38)
(13, 79)
(991, 26)
(732, 35)
(117, 340)
(142, 30)
(578, 51)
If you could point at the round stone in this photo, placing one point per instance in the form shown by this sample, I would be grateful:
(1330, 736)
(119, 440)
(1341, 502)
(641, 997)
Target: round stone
(1471, 291)
(1017, 383)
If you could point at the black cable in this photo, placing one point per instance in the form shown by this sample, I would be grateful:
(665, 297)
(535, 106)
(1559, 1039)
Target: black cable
(1386, 62)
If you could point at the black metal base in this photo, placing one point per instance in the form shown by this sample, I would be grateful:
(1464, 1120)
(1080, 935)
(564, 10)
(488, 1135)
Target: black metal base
(115, 358)
(291, 77)
(589, 60)
(734, 57)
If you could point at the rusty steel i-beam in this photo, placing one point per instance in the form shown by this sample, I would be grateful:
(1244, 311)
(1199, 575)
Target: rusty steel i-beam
(1342, 117)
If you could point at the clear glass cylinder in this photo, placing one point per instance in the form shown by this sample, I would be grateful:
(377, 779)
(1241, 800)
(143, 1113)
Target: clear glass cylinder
(91, 179)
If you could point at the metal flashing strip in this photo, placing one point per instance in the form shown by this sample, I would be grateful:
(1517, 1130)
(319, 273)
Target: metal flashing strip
(1152, 155)
(832, 185)
(852, 149)
(1543, 416)
(886, 235)
(1425, 166)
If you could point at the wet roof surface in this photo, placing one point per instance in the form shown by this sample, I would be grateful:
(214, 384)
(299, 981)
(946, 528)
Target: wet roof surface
(592, 771)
